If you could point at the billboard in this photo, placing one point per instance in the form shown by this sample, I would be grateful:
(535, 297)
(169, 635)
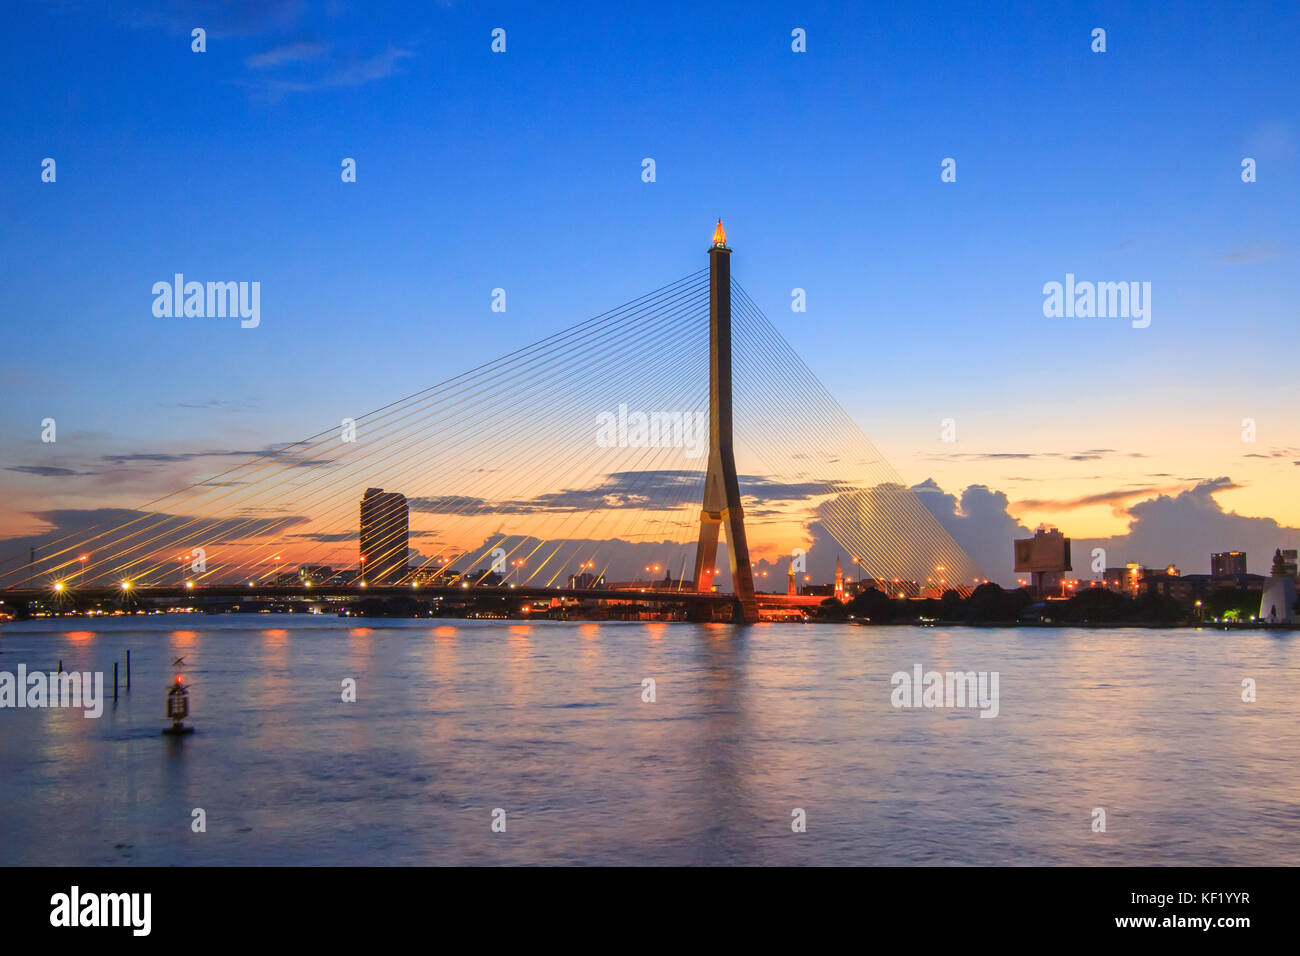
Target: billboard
(1045, 551)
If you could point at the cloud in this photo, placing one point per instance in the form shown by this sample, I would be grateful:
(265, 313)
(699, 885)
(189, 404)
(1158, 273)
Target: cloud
(1184, 529)
(328, 536)
(640, 489)
(979, 522)
(551, 562)
(49, 471)
(1258, 252)
(1114, 496)
(286, 53)
(220, 403)
(1273, 453)
(1090, 454)
(356, 71)
(221, 18)
(651, 489)
(1181, 529)
(292, 58)
(281, 453)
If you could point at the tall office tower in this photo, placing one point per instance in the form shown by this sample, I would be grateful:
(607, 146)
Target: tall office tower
(385, 536)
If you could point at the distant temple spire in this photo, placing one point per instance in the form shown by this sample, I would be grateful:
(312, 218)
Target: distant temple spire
(839, 580)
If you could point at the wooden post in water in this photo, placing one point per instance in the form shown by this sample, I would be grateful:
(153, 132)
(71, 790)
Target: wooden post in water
(128, 669)
(115, 680)
(60, 665)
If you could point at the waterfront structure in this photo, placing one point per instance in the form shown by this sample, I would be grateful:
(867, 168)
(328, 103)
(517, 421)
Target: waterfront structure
(1277, 602)
(385, 536)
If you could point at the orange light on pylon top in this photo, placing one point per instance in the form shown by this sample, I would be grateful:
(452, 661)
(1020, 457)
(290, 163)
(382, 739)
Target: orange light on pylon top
(180, 679)
(719, 236)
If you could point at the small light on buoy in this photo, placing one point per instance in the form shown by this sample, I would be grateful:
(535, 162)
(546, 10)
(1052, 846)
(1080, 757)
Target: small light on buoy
(178, 707)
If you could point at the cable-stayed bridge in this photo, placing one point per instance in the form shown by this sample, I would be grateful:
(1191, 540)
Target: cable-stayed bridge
(610, 459)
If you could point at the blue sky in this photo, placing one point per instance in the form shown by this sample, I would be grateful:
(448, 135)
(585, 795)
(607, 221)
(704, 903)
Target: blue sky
(522, 170)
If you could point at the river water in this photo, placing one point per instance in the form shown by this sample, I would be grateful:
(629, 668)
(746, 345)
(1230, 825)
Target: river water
(546, 722)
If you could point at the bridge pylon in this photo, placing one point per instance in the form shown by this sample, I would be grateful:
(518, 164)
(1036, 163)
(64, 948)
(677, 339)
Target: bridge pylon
(721, 486)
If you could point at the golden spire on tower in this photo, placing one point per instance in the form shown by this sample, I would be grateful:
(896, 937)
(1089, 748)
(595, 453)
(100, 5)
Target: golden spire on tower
(719, 236)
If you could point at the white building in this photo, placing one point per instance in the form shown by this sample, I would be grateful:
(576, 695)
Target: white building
(1277, 605)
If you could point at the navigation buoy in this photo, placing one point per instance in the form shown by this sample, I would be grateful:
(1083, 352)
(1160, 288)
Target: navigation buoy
(178, 708)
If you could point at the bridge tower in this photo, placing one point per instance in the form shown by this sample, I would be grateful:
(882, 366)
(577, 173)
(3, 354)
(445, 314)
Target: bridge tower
(721, 486)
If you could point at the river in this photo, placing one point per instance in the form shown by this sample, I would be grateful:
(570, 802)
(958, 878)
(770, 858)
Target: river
(546, 721)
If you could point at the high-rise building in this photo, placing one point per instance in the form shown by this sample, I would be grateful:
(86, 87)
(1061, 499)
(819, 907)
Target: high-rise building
(1226, 564)
(385, 536)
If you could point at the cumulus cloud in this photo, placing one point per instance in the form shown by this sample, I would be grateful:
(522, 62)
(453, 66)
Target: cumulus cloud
(1185, 528)
(979, 521)
(1181, 528)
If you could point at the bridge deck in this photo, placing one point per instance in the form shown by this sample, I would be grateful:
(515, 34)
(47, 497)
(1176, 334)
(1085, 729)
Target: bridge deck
(321, 593)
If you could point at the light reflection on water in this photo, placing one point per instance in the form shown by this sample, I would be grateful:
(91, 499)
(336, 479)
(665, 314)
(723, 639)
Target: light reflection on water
(545, 720)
